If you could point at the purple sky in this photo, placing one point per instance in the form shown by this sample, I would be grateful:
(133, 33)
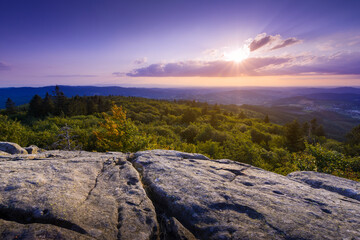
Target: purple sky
(179, 43)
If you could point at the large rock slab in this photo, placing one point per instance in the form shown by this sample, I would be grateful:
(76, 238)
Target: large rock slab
(12, 148)
(168, 195)
(73, 195)
(222, 199)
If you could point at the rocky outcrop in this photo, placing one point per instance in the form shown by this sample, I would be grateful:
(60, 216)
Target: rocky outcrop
(32, 149)
(12, 148)
(73, 195)
(168, 195)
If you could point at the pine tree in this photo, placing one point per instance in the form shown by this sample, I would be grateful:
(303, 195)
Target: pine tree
(10, 106)
(36, 106)
(48, 105)
(294, 136)
(60, 102)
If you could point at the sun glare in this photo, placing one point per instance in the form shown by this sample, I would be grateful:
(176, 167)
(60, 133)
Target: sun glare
(238, 55)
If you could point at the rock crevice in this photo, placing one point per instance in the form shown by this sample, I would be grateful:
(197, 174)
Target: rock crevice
(44, 216)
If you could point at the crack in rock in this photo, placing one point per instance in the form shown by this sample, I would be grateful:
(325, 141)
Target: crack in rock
(168, 228)
(28, 217)
(96, 180)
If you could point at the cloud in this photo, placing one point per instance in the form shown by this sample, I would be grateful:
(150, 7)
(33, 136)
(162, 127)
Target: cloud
(140, 61)
(119, 74)
(4, 66)
(218, 68)
(339, 64)
(260, 41)
(285, 43)
(273, 42)
(71, 76)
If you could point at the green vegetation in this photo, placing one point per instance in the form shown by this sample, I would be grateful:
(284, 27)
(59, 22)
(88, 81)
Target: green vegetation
(130, 124)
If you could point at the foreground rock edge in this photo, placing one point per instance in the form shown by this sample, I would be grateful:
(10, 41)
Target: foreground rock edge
(183, 220)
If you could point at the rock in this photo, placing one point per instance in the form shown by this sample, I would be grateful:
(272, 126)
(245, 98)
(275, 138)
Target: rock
(12, 148)
(222, 199)
(342, 186)
(173, 229)
(32, 149)
(168, 195)
(74, 195)
(4, 153)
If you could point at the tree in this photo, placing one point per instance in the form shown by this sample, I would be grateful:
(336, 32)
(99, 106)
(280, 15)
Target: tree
(353, 137)
(189, 116)
(60, 102)
(10, 106)
(65, 139)
(189, 133)
(36, 106)
(119, 133)
(48, 105)
(259, 137)
(294, 136)
(214, 120)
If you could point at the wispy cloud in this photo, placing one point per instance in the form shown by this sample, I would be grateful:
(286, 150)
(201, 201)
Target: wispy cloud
(272, 42)
(140, 61)
(285, 43)
(338, 64)
(71, 76)
(119, 74)
(219, 68)
(4, 66)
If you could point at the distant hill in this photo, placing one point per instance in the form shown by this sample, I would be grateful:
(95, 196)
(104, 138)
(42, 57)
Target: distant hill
(223, 95)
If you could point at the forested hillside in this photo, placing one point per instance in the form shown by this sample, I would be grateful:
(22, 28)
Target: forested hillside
(128, 124)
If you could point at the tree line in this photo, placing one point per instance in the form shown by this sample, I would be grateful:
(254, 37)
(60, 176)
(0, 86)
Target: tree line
(128, 124)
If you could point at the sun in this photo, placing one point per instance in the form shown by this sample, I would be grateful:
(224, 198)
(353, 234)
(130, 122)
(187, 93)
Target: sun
(238, 55)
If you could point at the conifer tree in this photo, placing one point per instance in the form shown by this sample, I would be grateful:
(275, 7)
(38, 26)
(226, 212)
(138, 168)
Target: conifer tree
(36, 106)
(294, 136)
(48, 105)
(60, 102)
(10, 106)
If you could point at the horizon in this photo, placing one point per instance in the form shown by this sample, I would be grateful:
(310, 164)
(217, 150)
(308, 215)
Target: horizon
(180, 44)
(154, 86)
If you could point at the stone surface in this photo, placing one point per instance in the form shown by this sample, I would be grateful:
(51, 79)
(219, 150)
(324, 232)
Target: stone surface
(342, 186)
(32, 149)
(2, 153)
(12, 148)
(168, 195)
(222, 199)
(74, 195)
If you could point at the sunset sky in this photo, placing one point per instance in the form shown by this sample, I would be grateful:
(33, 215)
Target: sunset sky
(174, 43)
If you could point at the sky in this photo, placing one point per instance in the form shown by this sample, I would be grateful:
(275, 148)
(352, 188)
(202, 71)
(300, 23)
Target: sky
(179, 43)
